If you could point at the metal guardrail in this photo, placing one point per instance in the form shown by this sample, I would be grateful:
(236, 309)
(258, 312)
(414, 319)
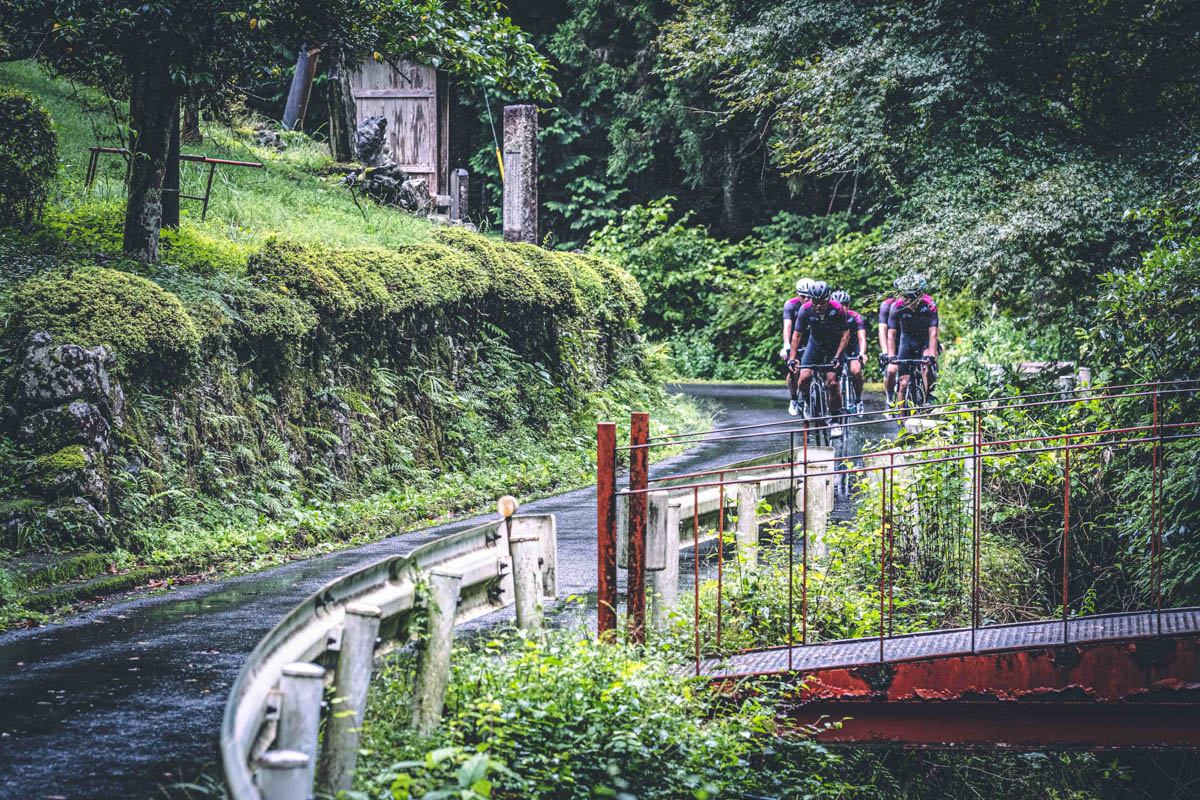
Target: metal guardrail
(312, 633)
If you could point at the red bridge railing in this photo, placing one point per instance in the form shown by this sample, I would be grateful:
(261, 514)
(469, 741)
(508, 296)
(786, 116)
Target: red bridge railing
(980, 439)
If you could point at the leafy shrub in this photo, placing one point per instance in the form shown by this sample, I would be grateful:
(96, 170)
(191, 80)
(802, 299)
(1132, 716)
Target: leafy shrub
(28, 156)
(142, 324)
(573, 718)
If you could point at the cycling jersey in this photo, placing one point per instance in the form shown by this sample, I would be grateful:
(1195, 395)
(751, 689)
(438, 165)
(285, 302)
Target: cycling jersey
(885, 308)
(790, 310)
(824, 332)
(912, 327)
(856, 324)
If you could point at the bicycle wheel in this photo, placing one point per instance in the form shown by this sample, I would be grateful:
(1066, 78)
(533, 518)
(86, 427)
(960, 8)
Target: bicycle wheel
(818, 413)
(916, 392)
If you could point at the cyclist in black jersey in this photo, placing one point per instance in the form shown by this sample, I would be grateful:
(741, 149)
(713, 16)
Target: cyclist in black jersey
(790, 309)
(913, 332)
(828, 328)
(856, 348)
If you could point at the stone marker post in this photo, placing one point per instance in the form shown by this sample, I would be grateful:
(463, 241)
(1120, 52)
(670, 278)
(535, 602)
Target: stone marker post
(747, 527)
(662, 558)
(460, 190)
(520, 174)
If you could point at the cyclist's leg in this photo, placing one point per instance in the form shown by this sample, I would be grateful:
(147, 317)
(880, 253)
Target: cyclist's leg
(930, 372)
(835, 393)
(856, 380)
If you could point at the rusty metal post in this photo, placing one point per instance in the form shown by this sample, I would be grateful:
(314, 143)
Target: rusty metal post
(791, 538)
(1066, 530)
(606, 531)
(882, 555)
(696, 572)
(804, 552)
(720, 550)
(1156, 521)
(639, 434)
(891, 529)
(976, 491)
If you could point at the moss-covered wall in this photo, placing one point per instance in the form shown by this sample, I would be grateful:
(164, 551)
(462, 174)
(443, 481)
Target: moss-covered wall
(321, 372)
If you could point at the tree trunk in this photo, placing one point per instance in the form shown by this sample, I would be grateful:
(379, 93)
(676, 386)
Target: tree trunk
(152, 103)
(343, 118)
(301, 87)
(731, 211)
(170, 196)
(191, 121)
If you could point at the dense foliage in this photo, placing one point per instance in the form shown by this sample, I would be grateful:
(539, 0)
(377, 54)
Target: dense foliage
(28, 156)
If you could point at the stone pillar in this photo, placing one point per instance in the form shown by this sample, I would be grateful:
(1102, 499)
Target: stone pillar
(520, 174)
(747, 527)
(460, 192)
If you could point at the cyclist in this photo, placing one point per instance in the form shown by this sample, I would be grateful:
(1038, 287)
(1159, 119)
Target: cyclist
(913, 332)
(790, 309)
(827, 327)
(885, 308)
(856, 348)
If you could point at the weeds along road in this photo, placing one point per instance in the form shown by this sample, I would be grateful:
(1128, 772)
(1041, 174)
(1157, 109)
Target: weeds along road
(124, 700)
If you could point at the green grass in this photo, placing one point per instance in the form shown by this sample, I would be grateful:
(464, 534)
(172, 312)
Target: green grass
(291, 196)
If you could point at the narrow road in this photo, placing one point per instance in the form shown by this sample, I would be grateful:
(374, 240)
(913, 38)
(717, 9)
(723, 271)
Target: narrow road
(124, 700)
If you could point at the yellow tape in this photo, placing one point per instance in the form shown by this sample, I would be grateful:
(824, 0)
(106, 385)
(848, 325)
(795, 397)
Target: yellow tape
(500, 161)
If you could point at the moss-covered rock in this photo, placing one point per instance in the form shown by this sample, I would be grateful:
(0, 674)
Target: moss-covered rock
(73, 471)
(433, 274)
(144, 326)
(75, 521)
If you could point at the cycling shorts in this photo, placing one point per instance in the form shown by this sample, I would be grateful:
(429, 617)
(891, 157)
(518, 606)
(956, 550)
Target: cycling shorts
(817, 352)
(911, 347)
(851, 350)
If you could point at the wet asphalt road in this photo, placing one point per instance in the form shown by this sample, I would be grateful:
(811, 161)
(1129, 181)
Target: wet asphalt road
(124, 700)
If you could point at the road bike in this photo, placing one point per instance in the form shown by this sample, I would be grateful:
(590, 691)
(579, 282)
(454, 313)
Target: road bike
(916, 397)
(850, 396)
(816, 412)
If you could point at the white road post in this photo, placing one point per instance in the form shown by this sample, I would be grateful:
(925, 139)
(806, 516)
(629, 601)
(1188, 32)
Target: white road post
(355, 659)
(747, 528)
(524, 545)
(301, 687)
(284, 775)
(662, 557)
(433, 663)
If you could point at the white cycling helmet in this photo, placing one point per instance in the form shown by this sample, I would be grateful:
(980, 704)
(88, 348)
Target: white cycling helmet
(840, 296)
(803, 286)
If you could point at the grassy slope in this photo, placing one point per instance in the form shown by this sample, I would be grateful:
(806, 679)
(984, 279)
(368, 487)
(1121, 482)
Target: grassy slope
(288, 197)
(291, 198)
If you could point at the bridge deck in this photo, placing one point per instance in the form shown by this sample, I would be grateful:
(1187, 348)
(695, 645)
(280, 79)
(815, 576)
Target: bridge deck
(931, 644)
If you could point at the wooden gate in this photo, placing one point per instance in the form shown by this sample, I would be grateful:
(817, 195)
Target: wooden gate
(414, 99)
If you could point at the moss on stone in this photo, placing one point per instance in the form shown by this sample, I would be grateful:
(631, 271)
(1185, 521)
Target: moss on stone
(562, 293)
(439, 274)
(142, 324)
(338, 283)
(69, 459)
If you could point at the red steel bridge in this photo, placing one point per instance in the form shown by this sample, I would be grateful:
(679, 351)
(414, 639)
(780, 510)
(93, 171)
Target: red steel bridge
(1107, 669)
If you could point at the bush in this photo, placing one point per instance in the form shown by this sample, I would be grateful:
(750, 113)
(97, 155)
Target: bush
(142, 324)
(28, 156)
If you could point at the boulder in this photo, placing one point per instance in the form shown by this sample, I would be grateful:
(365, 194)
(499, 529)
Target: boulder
(415, 197)
(78, 522)
(270, 138)
(49, 375)
(72, 423)
(72, 470)
(370, 141)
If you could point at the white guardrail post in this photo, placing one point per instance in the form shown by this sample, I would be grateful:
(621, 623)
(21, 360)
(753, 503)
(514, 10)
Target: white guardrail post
(747, 528)
(662, 557)
(300, 690)
(433, 664)
(344, 724)
(272, 756)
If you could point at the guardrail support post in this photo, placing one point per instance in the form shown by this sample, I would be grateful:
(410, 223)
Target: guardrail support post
(817, 506)
(662, 553)
(340, 752)
(747, 527)
(606, 530)
(284, 775)
(433, 663)
(524, 545)
(639, 434)
(301, 686)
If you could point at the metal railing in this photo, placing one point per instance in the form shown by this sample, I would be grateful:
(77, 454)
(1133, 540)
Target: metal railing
(269, 746)
(895, 477)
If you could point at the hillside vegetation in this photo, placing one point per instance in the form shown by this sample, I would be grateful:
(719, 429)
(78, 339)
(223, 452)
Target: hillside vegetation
(294, 372)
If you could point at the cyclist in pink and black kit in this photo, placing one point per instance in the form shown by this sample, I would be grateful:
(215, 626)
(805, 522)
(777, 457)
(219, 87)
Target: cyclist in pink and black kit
(790, 309)
(856, 348)
(885, 310)
(913, 332)
(827, 328)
